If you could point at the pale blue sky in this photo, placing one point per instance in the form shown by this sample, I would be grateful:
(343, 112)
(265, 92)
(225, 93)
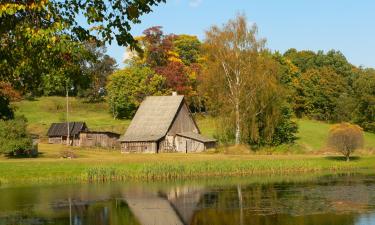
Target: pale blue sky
(345, 25)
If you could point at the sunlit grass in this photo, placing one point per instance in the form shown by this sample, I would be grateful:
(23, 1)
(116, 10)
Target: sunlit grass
(105, 165)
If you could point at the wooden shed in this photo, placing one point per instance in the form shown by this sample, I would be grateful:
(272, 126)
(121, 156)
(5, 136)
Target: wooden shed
(58, 132)
(164, 124)
(99, 139)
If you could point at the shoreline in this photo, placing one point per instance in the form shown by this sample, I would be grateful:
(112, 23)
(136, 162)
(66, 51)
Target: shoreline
(111, 166)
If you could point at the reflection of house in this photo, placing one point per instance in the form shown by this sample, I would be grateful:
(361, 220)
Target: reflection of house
(58, 132)
(164, 124)
(99, 139)
(173, 207)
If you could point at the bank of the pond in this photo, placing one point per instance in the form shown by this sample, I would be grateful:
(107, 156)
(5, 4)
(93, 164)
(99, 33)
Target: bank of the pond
(104, 165)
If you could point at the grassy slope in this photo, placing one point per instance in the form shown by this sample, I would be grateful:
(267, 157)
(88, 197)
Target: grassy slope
(42, 112)
(46, 110)
(313, 134)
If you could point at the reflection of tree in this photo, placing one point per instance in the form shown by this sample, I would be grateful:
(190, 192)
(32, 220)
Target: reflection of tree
(110, 212)
(321, 202)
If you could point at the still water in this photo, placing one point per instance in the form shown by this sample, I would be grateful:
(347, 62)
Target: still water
(327, 199)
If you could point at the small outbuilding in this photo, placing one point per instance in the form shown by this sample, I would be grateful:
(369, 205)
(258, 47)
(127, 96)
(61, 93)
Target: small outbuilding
(99, 139)
(58, 133)
(164, 124)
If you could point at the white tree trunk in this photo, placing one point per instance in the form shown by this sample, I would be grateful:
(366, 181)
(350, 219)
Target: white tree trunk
(238, 122)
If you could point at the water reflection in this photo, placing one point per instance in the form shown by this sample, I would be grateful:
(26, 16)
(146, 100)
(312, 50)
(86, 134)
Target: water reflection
(343, 200)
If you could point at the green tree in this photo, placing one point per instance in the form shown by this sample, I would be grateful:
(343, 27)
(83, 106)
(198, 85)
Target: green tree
(364, 87)
(188, 48)
(43, 38)
(318, 92)
(128, 87)
(14, 139)
(98, 71)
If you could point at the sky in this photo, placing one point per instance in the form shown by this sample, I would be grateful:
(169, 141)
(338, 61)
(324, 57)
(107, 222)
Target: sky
(344, 25)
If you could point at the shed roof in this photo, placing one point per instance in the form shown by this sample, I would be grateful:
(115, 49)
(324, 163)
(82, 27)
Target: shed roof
(61, 129)
(153, 118)
(197, 137)
(100, 132)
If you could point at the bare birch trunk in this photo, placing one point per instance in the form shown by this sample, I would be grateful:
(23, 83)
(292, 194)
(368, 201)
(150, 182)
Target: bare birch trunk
(238, 130)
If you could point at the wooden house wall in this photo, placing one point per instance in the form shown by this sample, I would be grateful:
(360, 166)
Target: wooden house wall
(54, 140)
(74, 141)
(183, 122)
(167, 144)
(144, 147)
(186, 145)
(105, 140)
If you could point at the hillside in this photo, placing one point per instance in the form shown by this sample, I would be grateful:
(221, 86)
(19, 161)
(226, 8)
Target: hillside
(46, 110)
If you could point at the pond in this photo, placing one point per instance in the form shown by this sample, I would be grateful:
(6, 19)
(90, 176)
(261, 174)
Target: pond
(343, 199)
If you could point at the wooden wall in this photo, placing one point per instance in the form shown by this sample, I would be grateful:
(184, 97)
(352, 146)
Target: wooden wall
(183, 122)
(54, 140)
(184, 144)
(105, 140)
(141, 147)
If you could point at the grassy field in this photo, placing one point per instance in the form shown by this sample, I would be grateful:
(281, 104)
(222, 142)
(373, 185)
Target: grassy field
(46, 110)
(106, 165)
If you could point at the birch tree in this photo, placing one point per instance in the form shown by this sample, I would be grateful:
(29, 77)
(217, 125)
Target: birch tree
(242, 79)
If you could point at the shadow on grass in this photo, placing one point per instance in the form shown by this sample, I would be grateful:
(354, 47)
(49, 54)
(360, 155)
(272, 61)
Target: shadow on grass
(25, 156)
(343, 158)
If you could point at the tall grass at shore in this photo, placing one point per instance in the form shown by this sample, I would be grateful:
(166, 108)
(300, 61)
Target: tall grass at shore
(103, 165)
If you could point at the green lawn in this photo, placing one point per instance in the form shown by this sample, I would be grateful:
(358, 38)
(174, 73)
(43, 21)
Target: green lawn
(105, 165)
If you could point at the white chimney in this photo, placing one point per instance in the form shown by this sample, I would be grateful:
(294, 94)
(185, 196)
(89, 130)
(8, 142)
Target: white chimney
(174, 93)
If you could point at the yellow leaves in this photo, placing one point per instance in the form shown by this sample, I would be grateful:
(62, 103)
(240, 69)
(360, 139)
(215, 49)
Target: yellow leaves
(13, 8)
(174, 57)
(100, 27)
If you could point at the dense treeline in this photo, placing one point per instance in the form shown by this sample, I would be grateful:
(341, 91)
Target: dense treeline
(327, 87)
(253, 92)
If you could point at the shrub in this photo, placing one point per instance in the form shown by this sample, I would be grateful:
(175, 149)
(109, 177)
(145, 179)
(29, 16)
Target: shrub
(14, 139)
(345, 138)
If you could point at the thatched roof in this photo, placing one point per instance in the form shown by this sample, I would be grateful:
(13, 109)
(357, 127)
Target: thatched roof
(61, 129)
(197, 137)
(153, 118)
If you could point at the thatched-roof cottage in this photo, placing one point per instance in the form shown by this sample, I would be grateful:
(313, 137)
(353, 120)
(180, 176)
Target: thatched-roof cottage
(99, 139)
(164, 124)
(58, 132)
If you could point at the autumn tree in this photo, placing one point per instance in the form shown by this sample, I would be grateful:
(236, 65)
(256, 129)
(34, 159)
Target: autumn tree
(7, 94)
(178, 58)
(345, 138)
(243, 82)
